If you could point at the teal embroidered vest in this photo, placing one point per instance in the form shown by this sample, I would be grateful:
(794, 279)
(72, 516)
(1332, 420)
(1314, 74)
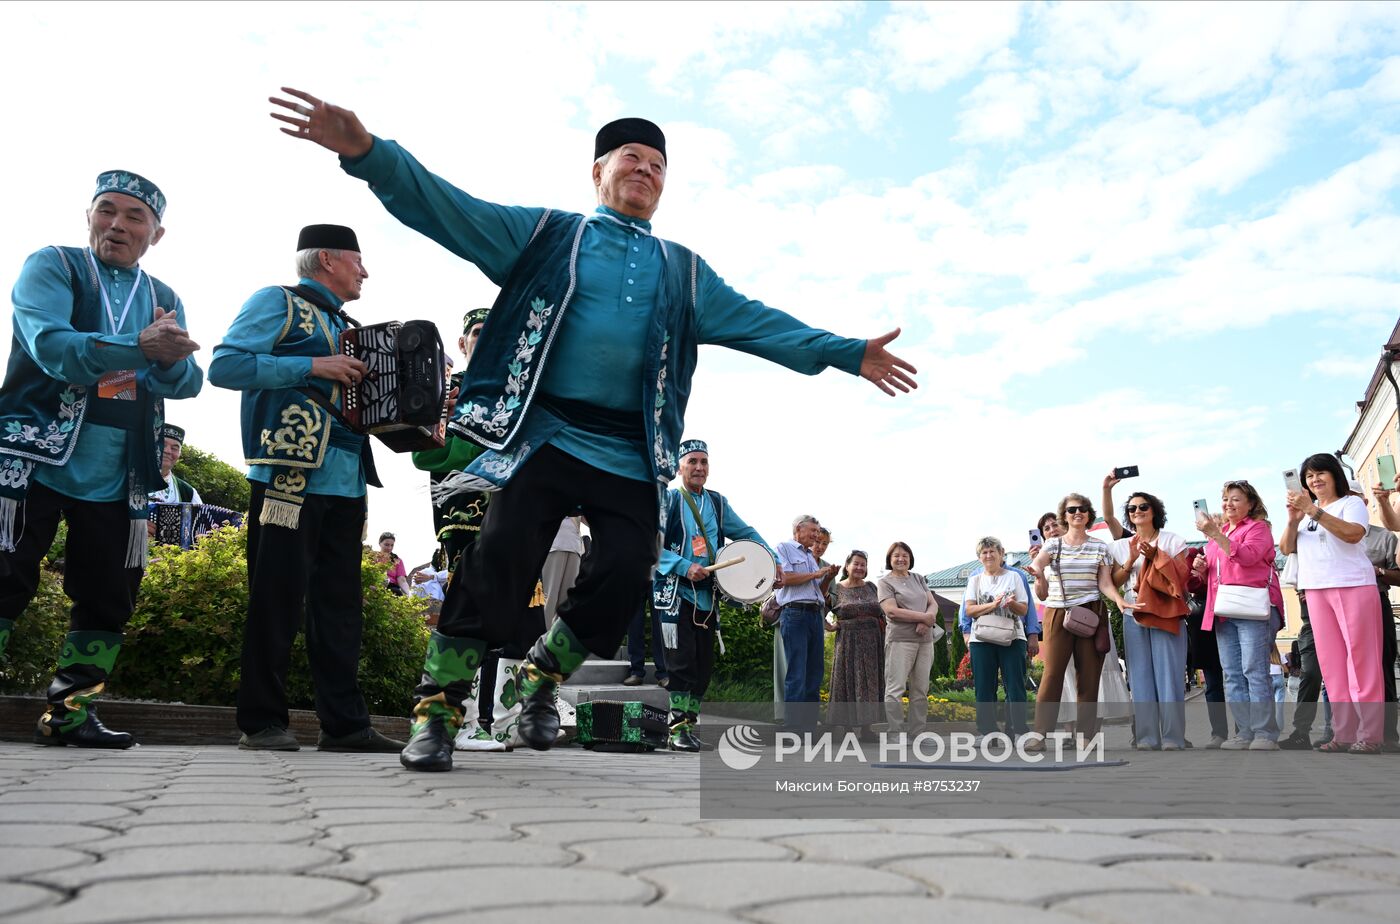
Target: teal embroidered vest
(41, 417)
(494, 405)
(286, 428)
(665, 588)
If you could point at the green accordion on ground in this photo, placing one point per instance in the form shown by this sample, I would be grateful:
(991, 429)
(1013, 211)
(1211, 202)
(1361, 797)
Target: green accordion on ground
(608, 725)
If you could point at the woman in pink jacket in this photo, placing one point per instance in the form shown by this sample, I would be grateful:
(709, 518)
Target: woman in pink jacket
(1241, 551)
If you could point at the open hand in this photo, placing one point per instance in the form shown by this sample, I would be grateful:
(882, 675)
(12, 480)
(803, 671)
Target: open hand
(331, 127)
(885, 369)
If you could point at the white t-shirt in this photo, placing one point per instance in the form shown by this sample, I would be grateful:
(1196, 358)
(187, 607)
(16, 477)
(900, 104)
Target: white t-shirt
(568, 538)
(1169, 543)
(1324, 560)
(984, 589)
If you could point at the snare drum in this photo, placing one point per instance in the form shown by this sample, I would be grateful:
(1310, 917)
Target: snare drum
(750, 580)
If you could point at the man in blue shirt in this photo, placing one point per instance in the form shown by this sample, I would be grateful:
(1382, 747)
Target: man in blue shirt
(698, 523)
(306, 513)
(590, 350)
(98, 346)
(800, 623)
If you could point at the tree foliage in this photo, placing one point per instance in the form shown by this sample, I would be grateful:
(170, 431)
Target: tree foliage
(216, 481)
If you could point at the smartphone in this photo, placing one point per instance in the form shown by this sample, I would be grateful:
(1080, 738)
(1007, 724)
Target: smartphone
(1201, 507)
(1292, 482)
(1126, 471)
(1385, 467)
(1036, 538)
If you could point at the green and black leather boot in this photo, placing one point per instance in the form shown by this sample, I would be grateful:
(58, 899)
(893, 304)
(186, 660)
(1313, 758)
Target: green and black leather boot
(550, 661)
(83, 667)
(684, 709)
(448, 671)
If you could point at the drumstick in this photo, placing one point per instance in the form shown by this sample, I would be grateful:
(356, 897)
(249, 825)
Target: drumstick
(725, 564)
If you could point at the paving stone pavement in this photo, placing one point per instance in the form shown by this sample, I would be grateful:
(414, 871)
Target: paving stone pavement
(213, 834)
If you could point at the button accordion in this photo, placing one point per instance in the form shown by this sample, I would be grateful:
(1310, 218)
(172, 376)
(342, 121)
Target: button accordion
(402, 399)
(182, 524)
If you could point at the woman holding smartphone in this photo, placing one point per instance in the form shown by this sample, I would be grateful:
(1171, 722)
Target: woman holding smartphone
(1241, 552)
(1076, 569)
(1152, 563)
(1343, 606)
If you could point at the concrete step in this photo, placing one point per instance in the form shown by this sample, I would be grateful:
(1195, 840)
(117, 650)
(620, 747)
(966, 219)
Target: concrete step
(582, 693)
(597, 670)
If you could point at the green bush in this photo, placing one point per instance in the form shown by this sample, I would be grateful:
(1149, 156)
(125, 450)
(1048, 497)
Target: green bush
(216, 481)
(184, 642)
(27, 664)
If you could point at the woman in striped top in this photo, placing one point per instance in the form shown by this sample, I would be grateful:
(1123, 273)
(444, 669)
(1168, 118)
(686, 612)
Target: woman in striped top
(1078, 569)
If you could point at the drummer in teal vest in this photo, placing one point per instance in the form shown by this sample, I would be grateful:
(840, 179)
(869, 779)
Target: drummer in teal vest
(98, 346)
(306, 513)
(698, 523)
(577, 392)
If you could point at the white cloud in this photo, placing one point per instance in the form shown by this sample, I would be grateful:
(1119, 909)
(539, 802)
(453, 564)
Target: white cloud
(869, 108)
(1347, 367)
(929, 45)
(1001, 108)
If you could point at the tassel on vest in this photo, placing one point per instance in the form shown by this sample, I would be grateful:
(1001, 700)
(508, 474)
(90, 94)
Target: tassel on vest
(280, 513)
(9, 514)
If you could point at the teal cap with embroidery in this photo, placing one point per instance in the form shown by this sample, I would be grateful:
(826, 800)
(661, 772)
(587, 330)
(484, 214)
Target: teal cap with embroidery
(134, 185)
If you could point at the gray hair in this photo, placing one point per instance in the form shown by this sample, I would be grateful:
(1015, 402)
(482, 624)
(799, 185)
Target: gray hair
(309, 260)
(606, 157)
(803, 519)
(991, 542)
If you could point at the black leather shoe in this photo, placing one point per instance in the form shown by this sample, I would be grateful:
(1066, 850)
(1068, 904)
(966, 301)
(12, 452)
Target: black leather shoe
(430, 748)
(366, 740)
(1298, 741)
(683, 739)
(91, 734)
(539, 717)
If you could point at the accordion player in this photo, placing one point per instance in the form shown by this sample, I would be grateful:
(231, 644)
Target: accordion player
(402, 399)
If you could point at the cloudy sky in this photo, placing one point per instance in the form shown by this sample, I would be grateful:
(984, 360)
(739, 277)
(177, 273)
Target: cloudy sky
(1164, 235)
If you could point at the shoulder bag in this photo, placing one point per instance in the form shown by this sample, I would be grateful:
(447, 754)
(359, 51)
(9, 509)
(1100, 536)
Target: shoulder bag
(1240, 601)
(996, 627)
(1078, 620)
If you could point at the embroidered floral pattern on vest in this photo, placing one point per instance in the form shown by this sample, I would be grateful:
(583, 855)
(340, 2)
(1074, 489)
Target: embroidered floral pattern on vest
(502, 465)
(665, 457)
(301, 435)
(56, 432)
(14, 473)
(519, 369)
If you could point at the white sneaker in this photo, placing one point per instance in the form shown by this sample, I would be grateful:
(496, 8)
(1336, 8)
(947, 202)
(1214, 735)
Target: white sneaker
(1215, 742)
(1237, 744)
(1263, 744)
(473, 737)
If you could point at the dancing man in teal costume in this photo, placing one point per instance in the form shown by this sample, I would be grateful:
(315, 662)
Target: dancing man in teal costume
(698, 523)
(577, 391)
(98, 345)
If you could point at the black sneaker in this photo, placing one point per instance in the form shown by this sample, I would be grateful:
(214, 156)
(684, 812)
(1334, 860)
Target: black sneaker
(1298, 741)
(272, 738)
(632, 680)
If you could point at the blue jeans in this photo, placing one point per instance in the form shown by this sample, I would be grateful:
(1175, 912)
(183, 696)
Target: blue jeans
(636, 644)
(1156, 667)
(988, 660)
(1244, 658)
(801, 628)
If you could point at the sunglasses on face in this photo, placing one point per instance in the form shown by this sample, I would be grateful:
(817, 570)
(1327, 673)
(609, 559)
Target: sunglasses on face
(1076, 510)
(1138, 508)
(1236, 485)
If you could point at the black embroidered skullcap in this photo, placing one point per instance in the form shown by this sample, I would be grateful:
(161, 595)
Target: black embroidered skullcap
(171, 432)
(327, 237)
(690, 446)
(474, 317)
(629, 131)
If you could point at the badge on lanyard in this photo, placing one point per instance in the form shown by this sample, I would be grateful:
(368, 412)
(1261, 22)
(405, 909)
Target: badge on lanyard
(698, 547)
(119, 385)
